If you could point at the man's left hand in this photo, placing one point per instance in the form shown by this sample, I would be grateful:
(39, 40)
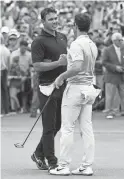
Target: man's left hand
(58, 82)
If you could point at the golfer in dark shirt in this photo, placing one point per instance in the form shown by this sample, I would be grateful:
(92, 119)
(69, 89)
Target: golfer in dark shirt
(46, 55)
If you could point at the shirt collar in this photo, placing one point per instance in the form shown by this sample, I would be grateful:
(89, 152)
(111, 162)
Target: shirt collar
(117, 48)
(82, 36)
(43, 32)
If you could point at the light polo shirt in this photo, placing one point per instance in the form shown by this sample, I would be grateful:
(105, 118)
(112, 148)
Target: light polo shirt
(24, 59)
(82, 49)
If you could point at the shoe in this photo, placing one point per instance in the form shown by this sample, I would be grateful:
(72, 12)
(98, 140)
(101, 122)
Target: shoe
(87, 171)
(51, 167)
(60, 171)
(110, 116)
(41, 164)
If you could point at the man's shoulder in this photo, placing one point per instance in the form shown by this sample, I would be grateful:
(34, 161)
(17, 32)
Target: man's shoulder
(109, 48)
(3, 48)
(38, 41)
(6, 50)
(74, 44)
(15, 52)
(61, 35)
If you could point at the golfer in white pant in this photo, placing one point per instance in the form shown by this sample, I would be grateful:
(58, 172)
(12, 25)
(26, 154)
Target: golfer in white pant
(78, 98)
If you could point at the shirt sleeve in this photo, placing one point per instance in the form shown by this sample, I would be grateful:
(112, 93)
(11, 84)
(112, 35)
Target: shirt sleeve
(37, 51)
(76, 52)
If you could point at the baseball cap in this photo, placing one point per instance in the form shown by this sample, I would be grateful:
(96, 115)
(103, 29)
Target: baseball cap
(14, 34)
(13, 37)
(5, 29)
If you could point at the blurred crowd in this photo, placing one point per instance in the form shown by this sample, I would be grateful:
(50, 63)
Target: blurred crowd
(21, 24)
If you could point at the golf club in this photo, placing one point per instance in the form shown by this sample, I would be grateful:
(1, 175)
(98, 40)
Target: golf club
(21, 145)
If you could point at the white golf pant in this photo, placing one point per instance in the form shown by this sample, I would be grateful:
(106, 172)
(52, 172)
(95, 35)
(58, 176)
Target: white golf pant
(77, 105)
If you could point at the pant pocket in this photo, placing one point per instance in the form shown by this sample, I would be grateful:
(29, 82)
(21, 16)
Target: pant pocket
(90, 95)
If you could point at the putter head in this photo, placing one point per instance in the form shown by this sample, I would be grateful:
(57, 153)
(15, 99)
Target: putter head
(18, 145)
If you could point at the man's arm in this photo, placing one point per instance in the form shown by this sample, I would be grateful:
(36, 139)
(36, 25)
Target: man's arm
(45, 66)
(76, 68)
(38, 50)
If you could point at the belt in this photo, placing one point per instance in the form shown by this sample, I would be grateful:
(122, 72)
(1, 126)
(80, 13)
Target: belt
(45, 84)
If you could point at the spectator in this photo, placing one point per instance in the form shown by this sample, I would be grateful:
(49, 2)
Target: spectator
(98, 65)
(24, 28)
(14, 84)
(97, 16)
(34, 84)
(8, 20)
(5, 32)
(13, 43)
(4, 67)
(24, 62)
(100, 100)
(113, 60)
(34, 21)
(35, 100)
(108, 40)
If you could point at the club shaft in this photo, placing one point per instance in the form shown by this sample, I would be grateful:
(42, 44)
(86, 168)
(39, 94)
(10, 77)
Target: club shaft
(38, 118)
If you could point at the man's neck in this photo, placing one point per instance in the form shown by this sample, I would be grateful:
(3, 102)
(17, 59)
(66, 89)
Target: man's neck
(22, 53)
(81, 33)
(50, 31)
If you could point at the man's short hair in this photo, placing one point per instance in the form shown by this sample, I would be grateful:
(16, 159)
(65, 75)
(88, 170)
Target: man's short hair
(47, 11)
(23, 42)
(116, 36)
(82, 20)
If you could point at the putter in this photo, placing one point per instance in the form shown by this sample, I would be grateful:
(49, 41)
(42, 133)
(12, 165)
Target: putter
(19, 145)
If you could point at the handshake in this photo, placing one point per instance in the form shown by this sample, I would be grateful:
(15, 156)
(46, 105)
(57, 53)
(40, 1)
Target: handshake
(62, 60)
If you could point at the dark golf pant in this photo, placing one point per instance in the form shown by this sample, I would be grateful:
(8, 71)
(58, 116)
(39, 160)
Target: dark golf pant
(51, 121)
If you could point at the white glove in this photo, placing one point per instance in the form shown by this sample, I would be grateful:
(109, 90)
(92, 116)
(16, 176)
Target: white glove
(47, 90)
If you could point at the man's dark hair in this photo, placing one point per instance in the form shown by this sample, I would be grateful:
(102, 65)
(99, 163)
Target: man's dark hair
(23, 42)
(47, 11)
(82, 20)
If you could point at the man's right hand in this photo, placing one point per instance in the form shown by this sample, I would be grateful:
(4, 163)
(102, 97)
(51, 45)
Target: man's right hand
(62, 60)
(119, 69)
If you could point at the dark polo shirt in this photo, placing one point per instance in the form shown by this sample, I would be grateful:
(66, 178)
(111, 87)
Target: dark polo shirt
(47, 46)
